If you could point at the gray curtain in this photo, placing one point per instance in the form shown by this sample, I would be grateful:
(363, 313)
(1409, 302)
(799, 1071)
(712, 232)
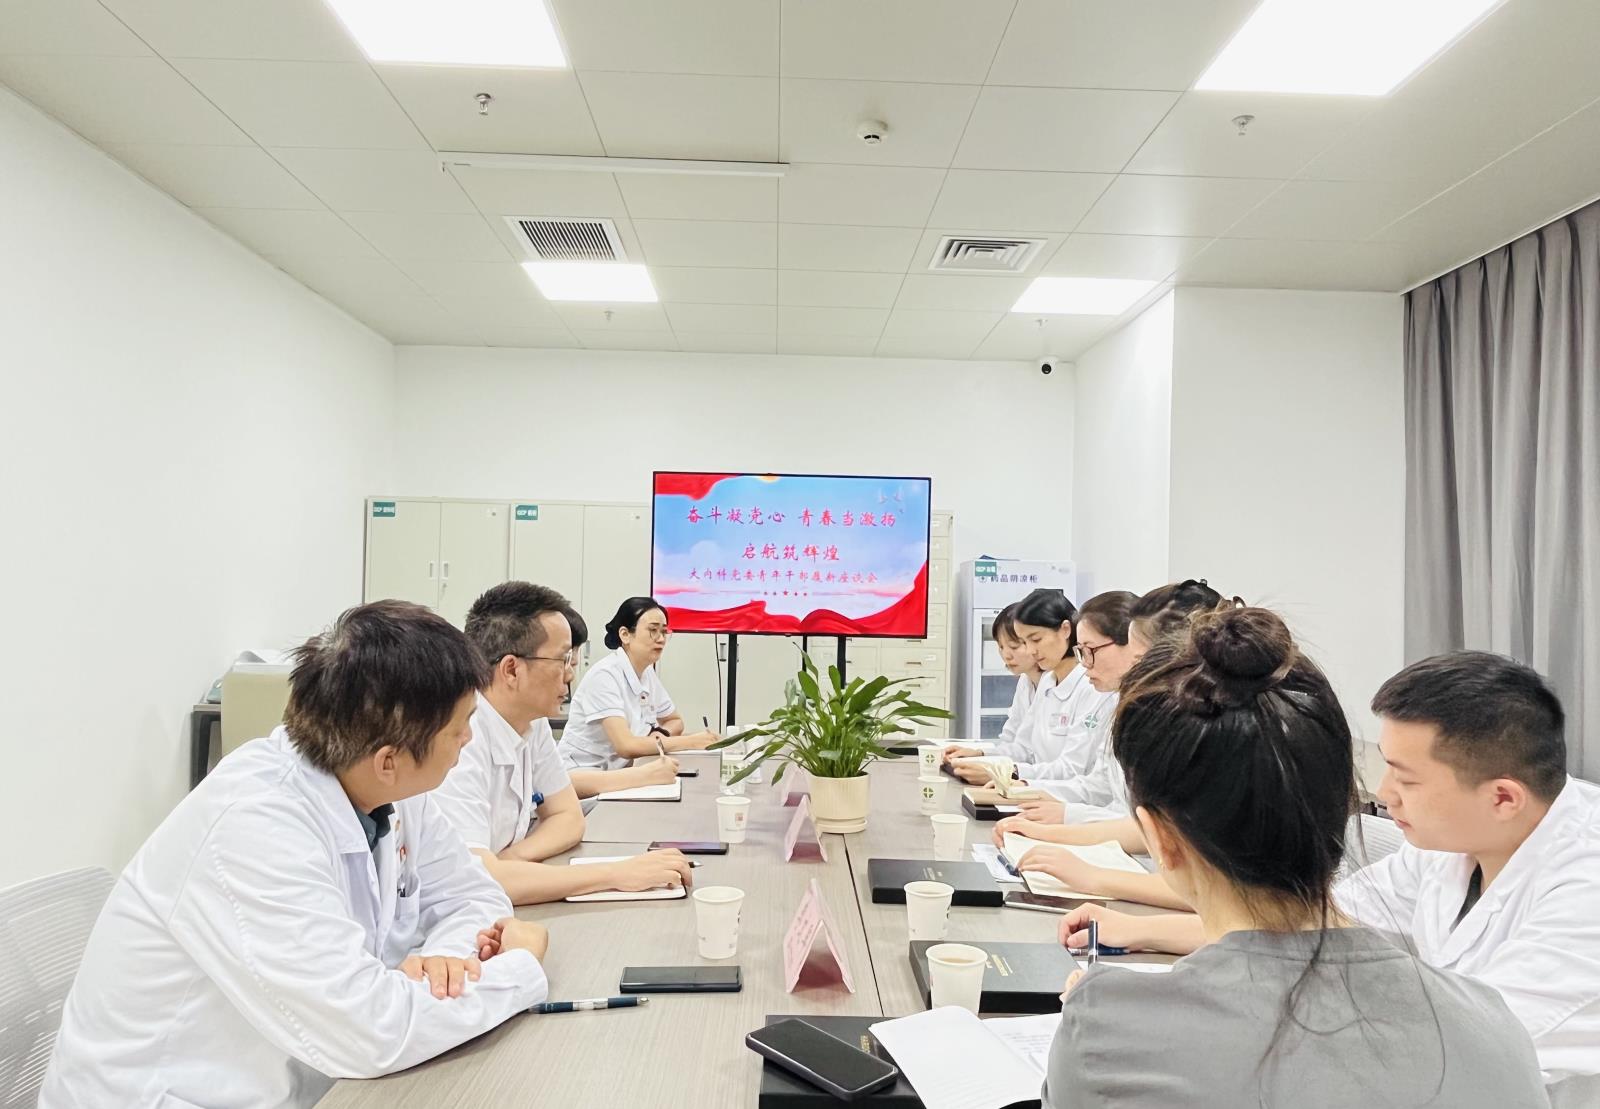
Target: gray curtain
(1502, 367)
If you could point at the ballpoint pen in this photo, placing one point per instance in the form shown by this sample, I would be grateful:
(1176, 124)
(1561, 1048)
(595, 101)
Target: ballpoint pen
(586, 1006)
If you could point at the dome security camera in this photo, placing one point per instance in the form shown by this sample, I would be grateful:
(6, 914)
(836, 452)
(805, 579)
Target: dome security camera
(871, 131)
(1047, 366)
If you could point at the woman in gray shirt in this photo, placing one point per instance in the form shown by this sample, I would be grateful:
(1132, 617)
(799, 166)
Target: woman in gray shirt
(1239, 761)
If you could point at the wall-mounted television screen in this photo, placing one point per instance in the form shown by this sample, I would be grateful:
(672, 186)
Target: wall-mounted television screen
(792, 554)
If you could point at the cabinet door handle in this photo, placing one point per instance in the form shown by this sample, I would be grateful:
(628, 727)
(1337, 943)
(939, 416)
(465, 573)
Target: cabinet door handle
(430, 570)
(445, 575)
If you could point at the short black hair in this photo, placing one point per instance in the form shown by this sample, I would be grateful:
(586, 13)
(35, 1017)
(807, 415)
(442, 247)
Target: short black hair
(386, 674)
(1496, 717)
(628, 614)
(505, 620)
(1005, 623)
(1048, 608)
(579, 626)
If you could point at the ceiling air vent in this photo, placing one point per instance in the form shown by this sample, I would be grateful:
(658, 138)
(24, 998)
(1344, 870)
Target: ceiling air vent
(977, 254)
(559, 239)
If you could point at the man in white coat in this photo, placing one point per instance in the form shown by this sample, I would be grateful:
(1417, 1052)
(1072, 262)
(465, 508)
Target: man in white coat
(510, 796)
(306, 913)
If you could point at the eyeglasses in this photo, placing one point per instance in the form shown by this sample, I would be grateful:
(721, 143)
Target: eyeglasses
(1085, 651)
(656, 631)
(568, 659)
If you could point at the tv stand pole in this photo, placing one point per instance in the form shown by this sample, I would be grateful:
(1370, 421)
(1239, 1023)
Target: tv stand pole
(733, 679)
(842, 679)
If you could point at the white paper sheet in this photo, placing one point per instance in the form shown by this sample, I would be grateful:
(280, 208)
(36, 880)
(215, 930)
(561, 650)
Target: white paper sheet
(1029, 1037)
(1109, 856)
(664, 893)
(989, 855)
(954, 1063)
(672, 791)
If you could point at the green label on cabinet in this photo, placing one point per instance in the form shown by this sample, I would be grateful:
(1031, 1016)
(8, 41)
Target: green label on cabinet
(527, 512)
(383, 508)
(986, 569)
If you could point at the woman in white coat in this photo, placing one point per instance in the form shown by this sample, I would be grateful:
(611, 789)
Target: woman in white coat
(621, 712)
(1015, 739)
(306, 914)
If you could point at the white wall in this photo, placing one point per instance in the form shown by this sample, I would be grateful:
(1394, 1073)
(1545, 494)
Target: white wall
(1288, 468)
(185, 438)
(1122, 455)
(592, 425)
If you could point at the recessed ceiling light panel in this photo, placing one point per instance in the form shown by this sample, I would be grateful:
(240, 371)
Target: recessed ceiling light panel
(454, 32)
(613, 282)
(1081, 296)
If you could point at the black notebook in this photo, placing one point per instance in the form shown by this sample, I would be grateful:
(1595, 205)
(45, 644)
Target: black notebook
(987, 812)
(971, 881)
(1018, 978)
(782, 1090)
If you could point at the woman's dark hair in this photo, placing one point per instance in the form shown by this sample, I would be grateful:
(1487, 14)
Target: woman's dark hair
(387, 674)
(1047, 608)
(1166, 609)
(1004, 623)
(1110, 613)
(580, 627)
(628, 614)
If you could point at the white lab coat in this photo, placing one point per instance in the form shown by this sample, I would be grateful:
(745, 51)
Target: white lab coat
(1534, 934)
(493, 794)
(611, 688)
(1015, 741)
(1071, 723)
(246, 955)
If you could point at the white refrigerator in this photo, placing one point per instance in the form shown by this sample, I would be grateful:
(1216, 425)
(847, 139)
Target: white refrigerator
(984, 687)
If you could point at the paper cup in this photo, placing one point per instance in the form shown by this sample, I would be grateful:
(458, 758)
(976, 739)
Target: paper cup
(929, 756)
(716, 920)
(949, 836)
(955, 972)
(733, 815)
(928, 909)
(930, 790)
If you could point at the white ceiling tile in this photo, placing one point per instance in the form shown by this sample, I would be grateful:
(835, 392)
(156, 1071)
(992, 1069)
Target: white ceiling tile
(662, 115)
(687, 196)
(215, 176)
(928, 245)
(821, 120)
(742, 318)
(714, 285)
(430, 236)
(888, 196)
(1012, 198)
(534, 111)
(893, 40)
(353, 281)
(925, 346)
(471, 280)
(707, 243)
(1115, 44)
(1082, 130)
(613, 317)
(626, 340)
(536, 192)
(375, 180)
(415, 327)
(834, 289)
(339, 104)
(525, 310)
(1282, 264)
(1141, 257)
(130, 100)
(1329, 210)
(1199, 139)
(528, 337)
(1022, 337)
(793, 320)
(841, 345)
(686, 36)
(720, 343)
(1183, 206)
(961, 293)
(300, 30)
(66, 27)
(912, 323)
(870, 249)
(291, 233)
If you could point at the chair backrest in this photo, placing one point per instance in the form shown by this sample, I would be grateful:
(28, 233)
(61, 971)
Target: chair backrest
(44, 927)
(1368, 839)
(253, 700)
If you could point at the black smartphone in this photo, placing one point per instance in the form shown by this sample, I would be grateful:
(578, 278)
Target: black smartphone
(1022, 899)
(841, 1068)
(690, 846)
(680, 980)
(686, 773)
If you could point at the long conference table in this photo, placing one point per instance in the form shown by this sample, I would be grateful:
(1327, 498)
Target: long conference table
(688, 1049)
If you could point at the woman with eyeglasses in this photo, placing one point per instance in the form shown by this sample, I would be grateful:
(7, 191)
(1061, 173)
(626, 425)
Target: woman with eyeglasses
(621, 712)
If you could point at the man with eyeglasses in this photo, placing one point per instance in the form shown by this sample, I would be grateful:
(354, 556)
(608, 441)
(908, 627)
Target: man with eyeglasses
(509, 795)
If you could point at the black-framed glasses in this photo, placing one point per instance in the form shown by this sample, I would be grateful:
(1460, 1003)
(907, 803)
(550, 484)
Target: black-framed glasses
(1085, 651)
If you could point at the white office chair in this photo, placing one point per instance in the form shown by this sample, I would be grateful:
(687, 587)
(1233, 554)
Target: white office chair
(254, 696)
(1367, 839)
(44, 927)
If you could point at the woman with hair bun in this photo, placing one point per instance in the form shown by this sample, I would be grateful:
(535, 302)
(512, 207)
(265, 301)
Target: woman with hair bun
(1240, 766)
(621, 712)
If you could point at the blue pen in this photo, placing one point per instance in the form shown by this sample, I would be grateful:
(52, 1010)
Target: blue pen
(1094, 942)
(587, 1006)
(538, 799)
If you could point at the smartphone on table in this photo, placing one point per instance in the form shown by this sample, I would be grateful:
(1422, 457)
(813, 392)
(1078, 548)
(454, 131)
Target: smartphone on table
(804, 1050)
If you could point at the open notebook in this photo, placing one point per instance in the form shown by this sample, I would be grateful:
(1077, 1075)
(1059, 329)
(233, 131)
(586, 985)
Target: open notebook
(956, 1061)
(1109, 855)
(672, 791)
(1002, 787)
(662, 893)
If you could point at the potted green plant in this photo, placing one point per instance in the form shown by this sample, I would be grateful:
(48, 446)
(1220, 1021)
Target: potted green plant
(834, 734)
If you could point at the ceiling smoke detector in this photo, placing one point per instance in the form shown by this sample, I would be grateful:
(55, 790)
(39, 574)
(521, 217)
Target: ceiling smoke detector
(872, 131)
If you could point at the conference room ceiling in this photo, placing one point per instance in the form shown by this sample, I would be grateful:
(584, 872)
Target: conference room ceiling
(1070, 121)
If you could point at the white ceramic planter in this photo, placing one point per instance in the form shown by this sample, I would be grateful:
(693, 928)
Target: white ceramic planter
(839, 804)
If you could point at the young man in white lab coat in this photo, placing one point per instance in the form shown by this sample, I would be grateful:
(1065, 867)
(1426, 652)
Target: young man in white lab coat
(306, 913)
(509, 795)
